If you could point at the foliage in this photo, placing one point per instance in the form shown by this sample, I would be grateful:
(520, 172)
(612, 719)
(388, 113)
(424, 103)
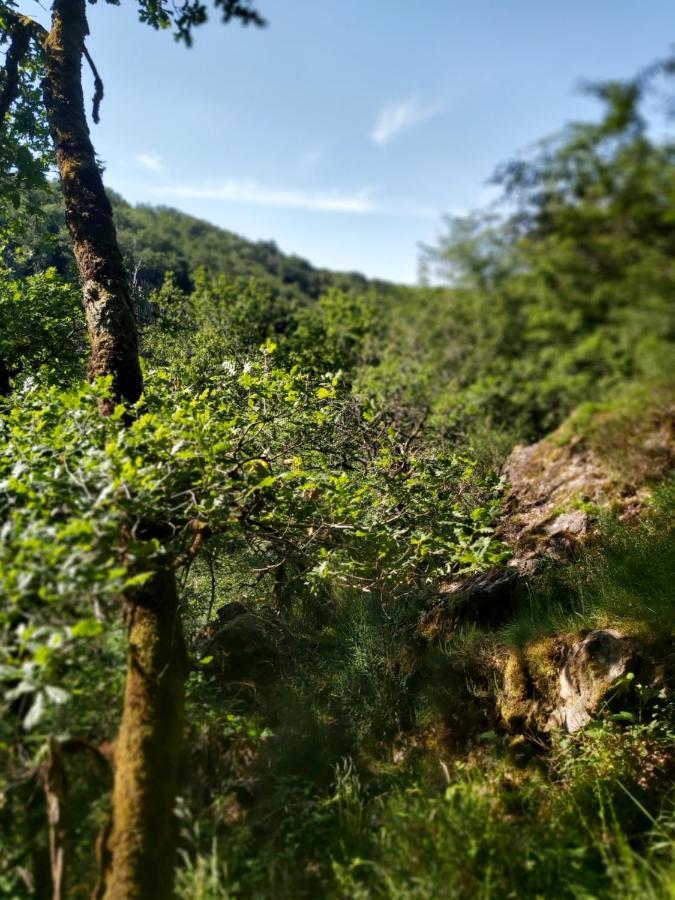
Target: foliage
(90, 509)
(553, 298)
(403, 816)
(41, 327)
(25, 149)
(568, 291)
(185, 17)
(315, 454)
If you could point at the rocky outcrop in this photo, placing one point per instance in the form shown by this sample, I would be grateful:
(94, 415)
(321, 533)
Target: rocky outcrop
(556, 489)
(561, 682)
(553, 491)
(604, 458)
(592, 667)
(486, 598)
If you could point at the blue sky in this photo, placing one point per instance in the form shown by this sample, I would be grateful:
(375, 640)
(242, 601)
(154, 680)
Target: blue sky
(347, 128)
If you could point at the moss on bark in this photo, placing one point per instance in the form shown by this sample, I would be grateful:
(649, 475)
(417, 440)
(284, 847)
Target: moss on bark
(149, 747)
(107, 302)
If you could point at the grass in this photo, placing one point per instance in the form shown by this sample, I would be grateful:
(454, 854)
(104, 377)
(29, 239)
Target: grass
(362, 764)
(358, 789)
(484, 829)
(630, 431)
(625, 581)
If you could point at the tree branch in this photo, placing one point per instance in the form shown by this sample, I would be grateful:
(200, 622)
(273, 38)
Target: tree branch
(98, 87)
(15, 20)
(17, 51)
(21, 30)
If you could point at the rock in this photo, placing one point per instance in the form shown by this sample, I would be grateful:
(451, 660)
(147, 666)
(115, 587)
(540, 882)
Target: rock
(516, 704)
(551, 489)
(485, 599)
(556, 488)
(228, 613)
(557, 683)
(594, 664)
(557, 485)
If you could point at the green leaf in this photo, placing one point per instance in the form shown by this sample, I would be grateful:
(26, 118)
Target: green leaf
(87, 628)
(137, 580)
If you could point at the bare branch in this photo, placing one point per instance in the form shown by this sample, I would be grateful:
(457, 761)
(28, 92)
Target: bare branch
(98, 87)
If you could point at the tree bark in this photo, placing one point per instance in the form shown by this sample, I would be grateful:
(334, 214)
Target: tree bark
(141, 845)
(55, 787)
(19, 43)
(5, 386)
(149, 748)
(107, 301)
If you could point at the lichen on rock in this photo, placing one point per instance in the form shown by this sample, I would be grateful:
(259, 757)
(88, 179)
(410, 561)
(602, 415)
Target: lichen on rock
(593, 665)
(559, 682)
(552, 488)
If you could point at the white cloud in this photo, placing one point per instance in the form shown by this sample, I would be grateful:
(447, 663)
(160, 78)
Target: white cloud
(396, 117)
(149, 161)
(250, 192)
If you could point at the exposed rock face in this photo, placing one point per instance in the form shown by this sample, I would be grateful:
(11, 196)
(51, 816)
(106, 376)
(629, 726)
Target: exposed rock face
(592, 667)
(561, 684)
(557, 484)
(556, 488)
(486, 598)
(552, 487)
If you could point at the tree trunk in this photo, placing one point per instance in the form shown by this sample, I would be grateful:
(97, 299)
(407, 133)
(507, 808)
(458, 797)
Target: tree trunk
(5, 386)
(17, 50)
(107, 301)
(149, 748)
(140, 848)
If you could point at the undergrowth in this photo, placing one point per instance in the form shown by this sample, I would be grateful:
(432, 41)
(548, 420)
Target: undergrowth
(624, 582)
(366, 769)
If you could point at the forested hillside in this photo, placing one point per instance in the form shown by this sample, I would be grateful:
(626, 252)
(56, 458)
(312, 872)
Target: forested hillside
(353, 590)
(159, 240)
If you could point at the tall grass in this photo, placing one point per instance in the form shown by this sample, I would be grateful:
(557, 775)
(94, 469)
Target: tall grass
(357, 792)
(625, 581)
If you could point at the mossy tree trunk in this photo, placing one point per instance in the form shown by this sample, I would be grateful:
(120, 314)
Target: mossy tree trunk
(149, 748)
(107, 300)
(140, 847)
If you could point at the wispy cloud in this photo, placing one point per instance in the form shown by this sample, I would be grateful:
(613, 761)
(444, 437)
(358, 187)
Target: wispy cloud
(250, 192)
(397, 117)
(149, 161)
